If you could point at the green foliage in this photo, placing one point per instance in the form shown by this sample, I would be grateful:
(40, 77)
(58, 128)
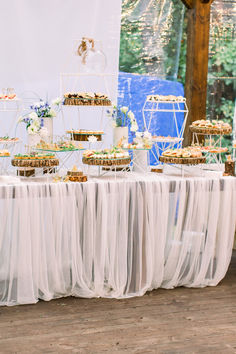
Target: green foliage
(135, 33)
(131, 48)
(171, 50)
(222, 62)
(222, 69)
(223, 59)
(226, 109)
(183, 53)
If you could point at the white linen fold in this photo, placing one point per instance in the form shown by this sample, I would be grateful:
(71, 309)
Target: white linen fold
(114, 238)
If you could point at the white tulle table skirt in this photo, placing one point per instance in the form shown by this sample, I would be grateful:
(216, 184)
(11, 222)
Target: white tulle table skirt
(114, 238)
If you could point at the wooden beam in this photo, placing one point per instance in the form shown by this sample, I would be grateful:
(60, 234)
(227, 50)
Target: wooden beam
(188, 3)
(197, 63)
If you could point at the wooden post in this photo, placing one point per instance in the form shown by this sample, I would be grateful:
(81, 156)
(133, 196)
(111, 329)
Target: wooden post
(198, 13)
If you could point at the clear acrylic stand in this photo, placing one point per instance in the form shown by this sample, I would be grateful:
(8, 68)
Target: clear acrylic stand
(151, 108)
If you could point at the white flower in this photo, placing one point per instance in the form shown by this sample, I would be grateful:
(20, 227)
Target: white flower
(38, 104)
(36, 123)
(33, 116)
(57, 101)
(130, 115)
(52, 113)
(139, 134)
(134, 127)
(147, 135)
(92, 139)
(32, 130)
(20, 119)
(124, 109)
(43, 132)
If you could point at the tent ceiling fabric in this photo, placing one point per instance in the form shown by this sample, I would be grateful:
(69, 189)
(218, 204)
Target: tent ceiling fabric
(37, 44)
(154, 28)
(37, 39)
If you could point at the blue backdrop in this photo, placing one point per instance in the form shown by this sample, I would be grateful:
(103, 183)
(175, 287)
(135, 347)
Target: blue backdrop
(132, 92)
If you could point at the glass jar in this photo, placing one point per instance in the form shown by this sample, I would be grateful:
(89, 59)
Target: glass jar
(91, 57)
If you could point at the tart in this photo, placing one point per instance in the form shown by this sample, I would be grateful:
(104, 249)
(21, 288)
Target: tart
(6, 139)
(214, 127)
(189, 156)
(35, 160)
(166, 98)
(166, 139)
(4, 153)
(86, 99)
(62, 146)
(83, 135)
(76, 176)
(107, 157)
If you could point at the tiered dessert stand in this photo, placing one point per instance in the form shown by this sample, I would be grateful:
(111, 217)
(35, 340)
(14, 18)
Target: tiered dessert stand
(12, 107)
(153, 106)
(76, 130)
(100, 109)
(64, 156)
(184, 164)
(161, 144)
(105, 166)
(213, 138)
(34, 166)
(8, 144)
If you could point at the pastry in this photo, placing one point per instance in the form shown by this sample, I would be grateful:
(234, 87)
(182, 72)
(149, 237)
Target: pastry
(35, 160)
(76, 176)
(86, 99)
(214, 127)
(166, 139)
(83, 135)
(4, 153)
(166, 98)
(62, 146)
(189, 155)
(107, 157)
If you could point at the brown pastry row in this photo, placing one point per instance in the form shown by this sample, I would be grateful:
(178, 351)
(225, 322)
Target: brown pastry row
(182, 160)
(87, 101)
(35, 163)
(106, 162)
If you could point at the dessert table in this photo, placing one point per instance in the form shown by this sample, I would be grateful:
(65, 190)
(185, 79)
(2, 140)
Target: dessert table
(113, 237)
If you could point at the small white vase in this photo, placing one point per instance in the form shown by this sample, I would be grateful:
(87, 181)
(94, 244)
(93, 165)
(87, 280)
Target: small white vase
(140, 161)
(120, 133)
(48, 123)
(33, 140)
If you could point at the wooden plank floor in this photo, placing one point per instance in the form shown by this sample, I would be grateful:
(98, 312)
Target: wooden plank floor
(163, 321)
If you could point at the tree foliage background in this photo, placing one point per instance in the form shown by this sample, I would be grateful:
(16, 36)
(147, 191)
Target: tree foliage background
(222, 54)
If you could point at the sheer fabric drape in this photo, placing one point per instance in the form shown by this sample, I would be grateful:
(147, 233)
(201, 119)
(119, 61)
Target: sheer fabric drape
(114, 238)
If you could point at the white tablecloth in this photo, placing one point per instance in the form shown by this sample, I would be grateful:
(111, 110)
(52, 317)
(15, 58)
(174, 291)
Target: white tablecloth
(114, 238)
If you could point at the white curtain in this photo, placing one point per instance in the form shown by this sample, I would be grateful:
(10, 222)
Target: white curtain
(37, 44)
(114, 238)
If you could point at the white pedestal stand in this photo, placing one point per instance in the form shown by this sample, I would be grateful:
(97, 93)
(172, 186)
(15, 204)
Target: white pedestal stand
(48, 124)
(140, 161)
(33, 140)
(120, 133)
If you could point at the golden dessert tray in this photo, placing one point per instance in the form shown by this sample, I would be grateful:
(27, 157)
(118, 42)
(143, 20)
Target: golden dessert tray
(38, 163)
(106, 162)
(182, 160)
(210, 131)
